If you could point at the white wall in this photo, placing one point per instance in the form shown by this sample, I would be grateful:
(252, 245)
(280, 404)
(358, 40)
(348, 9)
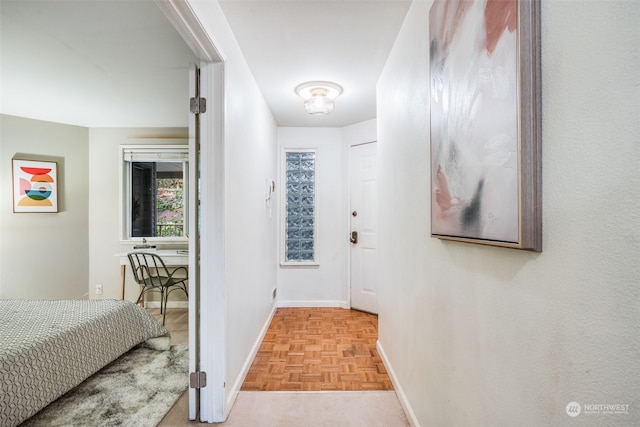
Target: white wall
(325, 285)
(358, 133)
(322, 285)
(45, 255)
(478, 335)
(250, 147)
(104, 205)
(76, 247)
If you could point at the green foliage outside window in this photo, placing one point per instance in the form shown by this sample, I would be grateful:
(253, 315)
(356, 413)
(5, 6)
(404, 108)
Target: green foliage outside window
(170, 207)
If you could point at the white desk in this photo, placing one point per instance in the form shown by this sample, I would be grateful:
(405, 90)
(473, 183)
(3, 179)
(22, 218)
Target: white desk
(171, 258)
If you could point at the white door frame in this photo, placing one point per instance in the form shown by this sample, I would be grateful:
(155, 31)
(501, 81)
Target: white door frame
(212, 303)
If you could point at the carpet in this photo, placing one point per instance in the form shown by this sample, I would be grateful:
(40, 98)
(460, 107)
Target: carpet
(316, 409)
(137, 389)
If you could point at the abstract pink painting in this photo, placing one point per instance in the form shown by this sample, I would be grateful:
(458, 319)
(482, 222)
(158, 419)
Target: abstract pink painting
(476, 104)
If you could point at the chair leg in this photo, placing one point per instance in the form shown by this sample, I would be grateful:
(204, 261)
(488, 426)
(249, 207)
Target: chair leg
(141, 294)
(165, 297)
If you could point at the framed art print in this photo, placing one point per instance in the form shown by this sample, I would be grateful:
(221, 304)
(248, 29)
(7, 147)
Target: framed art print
(485, 122)
(35, 186)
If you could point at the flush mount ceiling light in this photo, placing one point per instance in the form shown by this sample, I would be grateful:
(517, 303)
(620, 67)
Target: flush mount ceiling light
(318, 96)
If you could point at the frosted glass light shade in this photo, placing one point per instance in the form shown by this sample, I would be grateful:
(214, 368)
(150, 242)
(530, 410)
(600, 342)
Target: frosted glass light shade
(319, 96)
(318, 105)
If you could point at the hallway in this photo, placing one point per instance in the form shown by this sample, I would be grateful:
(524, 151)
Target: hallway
(318, 351)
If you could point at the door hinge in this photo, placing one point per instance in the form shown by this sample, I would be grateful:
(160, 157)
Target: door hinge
(198, 379)
(198, 105)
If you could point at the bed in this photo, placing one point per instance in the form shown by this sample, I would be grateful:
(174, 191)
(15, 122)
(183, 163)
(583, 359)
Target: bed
(49, 347)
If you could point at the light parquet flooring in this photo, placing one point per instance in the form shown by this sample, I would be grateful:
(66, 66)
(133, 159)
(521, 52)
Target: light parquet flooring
(319, 349)
(176, 322)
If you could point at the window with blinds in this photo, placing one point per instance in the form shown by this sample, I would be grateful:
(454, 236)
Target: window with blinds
(154, 192)
(300, 207)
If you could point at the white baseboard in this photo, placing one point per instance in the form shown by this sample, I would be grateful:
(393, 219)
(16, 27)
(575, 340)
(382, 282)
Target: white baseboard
(406, 406)
(235, 389)
(307, 304)
(170, 304)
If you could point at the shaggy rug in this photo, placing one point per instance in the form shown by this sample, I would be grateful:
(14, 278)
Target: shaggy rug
(137, 389)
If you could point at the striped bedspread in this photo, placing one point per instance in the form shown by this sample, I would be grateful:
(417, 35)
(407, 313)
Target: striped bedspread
(49, 347)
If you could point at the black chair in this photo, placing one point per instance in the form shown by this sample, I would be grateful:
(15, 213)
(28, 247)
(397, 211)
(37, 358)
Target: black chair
(152, 274)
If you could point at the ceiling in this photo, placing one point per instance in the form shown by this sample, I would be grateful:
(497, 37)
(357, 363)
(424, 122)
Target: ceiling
(291, 42)
(121, 63)
(93, 63)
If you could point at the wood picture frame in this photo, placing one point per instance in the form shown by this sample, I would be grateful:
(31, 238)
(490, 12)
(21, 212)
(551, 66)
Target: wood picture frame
(35, 186)
(486, 177)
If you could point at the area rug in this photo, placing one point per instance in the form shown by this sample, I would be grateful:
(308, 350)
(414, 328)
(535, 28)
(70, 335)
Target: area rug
(137, 389)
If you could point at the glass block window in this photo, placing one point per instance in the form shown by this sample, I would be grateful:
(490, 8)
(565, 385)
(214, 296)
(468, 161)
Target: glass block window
(300, 206)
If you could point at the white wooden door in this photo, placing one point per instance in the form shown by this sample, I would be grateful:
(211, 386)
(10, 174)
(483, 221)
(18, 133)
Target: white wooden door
(194, 242)
(211, 259)
(363, 227)
(206, 215)
(206, 249)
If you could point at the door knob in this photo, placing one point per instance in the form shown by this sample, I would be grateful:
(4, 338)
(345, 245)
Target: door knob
(354, 237)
